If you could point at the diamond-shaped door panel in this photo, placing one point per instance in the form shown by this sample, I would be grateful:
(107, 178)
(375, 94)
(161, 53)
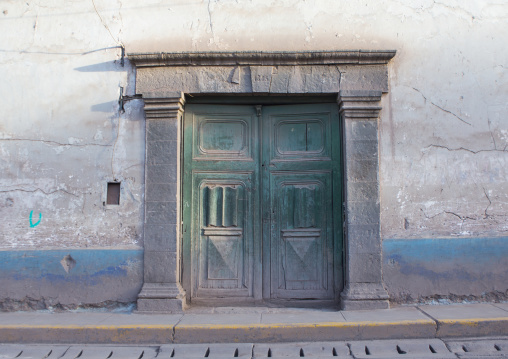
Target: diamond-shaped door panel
(223, 253)
(301, 256)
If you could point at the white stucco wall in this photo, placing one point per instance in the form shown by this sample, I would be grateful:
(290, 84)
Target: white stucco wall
(444, 131)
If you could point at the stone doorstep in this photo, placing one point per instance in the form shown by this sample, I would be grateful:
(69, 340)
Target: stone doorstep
(255, 325)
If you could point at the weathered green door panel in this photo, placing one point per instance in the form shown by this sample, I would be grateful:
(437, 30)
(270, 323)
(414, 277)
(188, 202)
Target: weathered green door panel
(222, 233)
(220, 204)
(301, 235)
(300, 177)
(297, 133)
(261, 202)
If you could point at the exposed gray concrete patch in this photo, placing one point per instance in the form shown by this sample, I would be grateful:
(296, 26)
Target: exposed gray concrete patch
(444, 299)
(52, 304)
(68, 263)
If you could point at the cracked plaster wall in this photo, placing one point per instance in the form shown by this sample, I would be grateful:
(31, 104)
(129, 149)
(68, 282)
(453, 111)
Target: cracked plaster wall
(443, 134)
(62, 136)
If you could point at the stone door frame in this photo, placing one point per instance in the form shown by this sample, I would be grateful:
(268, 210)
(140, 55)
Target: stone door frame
(357, 79)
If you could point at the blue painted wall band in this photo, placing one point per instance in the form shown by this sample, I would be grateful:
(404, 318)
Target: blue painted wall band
(91, 264)
(471, 250)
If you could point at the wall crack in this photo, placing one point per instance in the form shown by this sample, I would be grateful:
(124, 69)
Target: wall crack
(462, 218)
(55, 143)
(490, 203)
(40, 190)
(467, 149)
(105, 25)
(340, 75)
(442, 109)
(210, 19)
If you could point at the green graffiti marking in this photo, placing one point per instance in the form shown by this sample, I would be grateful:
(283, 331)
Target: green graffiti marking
(32, 225)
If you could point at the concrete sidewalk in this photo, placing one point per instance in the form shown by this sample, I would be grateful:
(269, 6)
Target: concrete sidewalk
(256, 325)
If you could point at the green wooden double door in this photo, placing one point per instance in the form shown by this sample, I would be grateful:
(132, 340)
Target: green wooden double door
(261, 202)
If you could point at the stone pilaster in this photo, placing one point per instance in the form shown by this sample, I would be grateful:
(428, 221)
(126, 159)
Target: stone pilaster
(363, 289)
(161, 291)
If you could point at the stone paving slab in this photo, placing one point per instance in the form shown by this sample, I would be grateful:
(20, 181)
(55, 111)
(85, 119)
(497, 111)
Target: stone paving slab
(503, 306)
(306, 325)
(143, 319)
(202, 328)
(263, 325)
(219, 319)
(10, 351)
(223, 351)
(385, 315)
(403, 322)
(98, 328)
(298, 350)
(479, 347)
(304, 317)
(468, 320)
(21, 351)
(463, 311)
(42, 351)
(388, 349)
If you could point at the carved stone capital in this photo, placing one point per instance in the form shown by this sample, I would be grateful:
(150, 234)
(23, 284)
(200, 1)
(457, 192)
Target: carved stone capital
(159, 106)
(359, 104)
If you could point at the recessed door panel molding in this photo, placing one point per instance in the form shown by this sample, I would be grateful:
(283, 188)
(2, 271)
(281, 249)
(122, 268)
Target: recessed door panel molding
(301, 136)
(222, 136)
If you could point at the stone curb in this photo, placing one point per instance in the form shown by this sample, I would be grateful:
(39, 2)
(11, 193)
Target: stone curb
(480, 327)
(251, 333)
(325, 331)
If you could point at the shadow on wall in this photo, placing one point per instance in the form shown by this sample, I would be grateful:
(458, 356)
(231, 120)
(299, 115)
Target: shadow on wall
(108, 66)
(122, 65)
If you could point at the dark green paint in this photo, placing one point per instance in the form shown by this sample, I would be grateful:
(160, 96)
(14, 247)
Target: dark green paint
(261, 202)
